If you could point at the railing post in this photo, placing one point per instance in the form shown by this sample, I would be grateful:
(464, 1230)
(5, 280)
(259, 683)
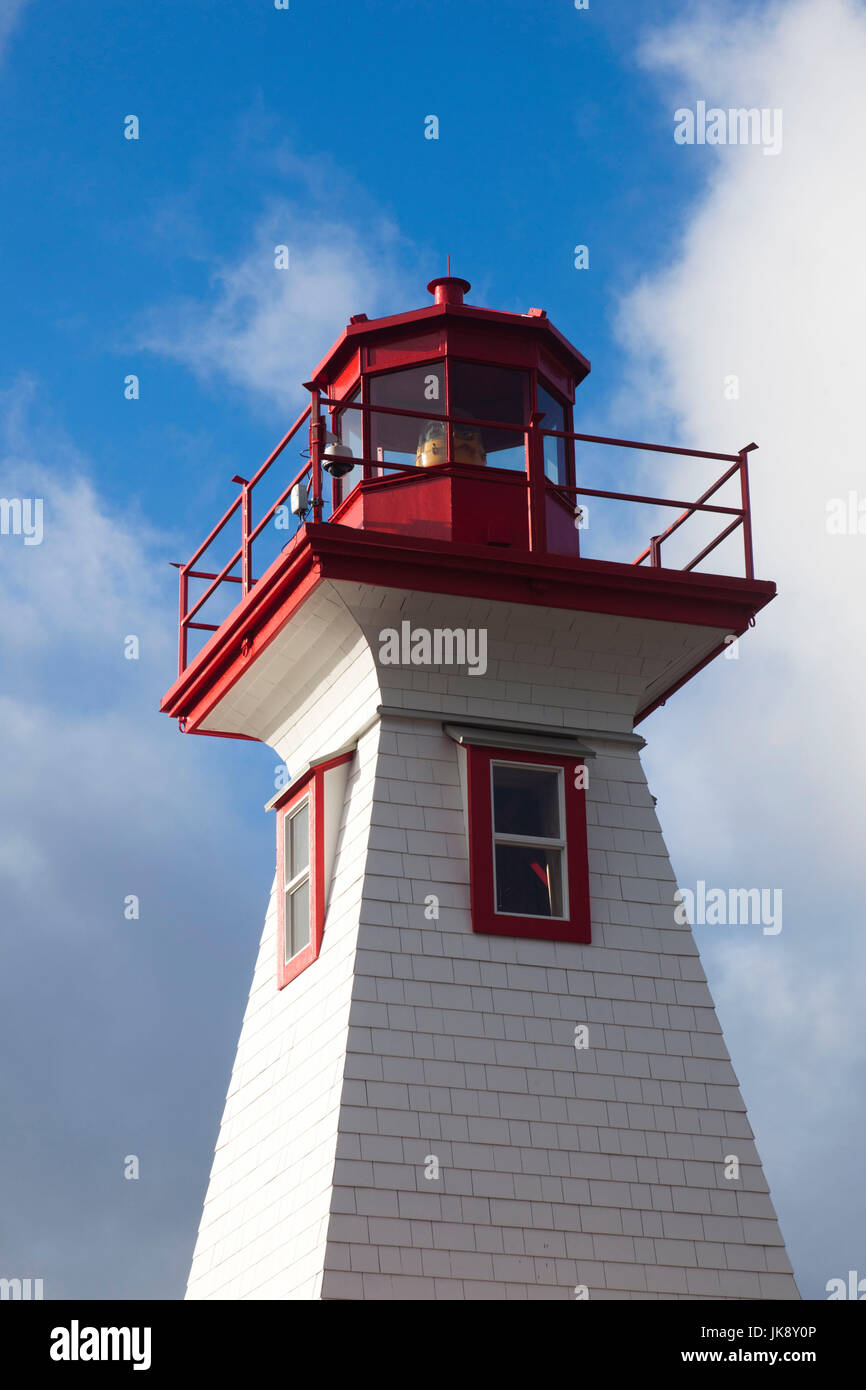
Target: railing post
(246, 543)
(316, 453)
(182, 632)
(656, 551)
(747, 514)
(535, 483)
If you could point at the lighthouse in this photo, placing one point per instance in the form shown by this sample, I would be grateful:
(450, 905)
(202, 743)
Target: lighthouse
(479, 1058)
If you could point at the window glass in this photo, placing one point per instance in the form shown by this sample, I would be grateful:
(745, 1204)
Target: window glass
(529, 880)
(528, 840)
(554, 449)
(399, 439)
(480, 392)
(525, 801)
(297, 918)
(298, 842)
(349, 427)
(296, 890)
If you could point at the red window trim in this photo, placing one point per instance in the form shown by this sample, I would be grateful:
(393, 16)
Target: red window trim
(485, 919)
(310, 785)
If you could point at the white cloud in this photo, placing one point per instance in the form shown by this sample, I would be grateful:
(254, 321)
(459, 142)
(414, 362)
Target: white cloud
(264, 329)
(768, 285)
(93, 572)
(760, 771)
(74, 712)
(101, 798)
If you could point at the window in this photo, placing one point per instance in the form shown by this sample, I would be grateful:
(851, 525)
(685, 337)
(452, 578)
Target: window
(497, 394)
(529, 850)
(296, 888)
(399, 439)
(349, 427)
(500, 396)
(308, 821)
(529, 870)
(554, 449)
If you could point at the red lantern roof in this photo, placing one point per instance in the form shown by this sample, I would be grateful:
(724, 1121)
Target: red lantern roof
(450, 326)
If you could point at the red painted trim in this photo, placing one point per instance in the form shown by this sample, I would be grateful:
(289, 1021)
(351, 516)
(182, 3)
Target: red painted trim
(332, 551)
(246, 632)
(542, 330)
(485, 919)
(289, 970)
(310, 784)
(300, 782)
(217, 733)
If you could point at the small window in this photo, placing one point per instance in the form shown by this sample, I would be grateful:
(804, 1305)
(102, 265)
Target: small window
(296, 889)
(308, 820)
(529, 867)
(554, 449)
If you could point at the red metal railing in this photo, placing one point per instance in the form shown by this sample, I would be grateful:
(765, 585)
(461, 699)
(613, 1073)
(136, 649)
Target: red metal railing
(538, 486)
(249, 533)
(742, 515)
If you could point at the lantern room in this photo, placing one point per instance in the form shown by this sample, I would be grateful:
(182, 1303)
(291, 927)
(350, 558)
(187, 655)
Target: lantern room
(454, 387)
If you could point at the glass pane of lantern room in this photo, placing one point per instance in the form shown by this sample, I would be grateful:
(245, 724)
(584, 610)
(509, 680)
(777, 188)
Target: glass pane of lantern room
(480, 392)
(554, 449)
(397, 439)
(349, 427)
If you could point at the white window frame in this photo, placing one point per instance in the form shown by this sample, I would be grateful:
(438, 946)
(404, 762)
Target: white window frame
(296, 882)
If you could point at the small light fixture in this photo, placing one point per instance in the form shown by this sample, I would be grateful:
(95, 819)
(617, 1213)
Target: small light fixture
(299, 500)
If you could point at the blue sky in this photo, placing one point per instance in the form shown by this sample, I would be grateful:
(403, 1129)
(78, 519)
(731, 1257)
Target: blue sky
(154, 257)
(546, 135)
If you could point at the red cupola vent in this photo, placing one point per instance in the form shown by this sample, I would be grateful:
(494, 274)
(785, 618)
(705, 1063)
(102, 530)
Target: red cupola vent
(449, 289)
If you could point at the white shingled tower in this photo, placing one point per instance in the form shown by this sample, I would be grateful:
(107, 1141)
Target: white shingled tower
(480, 1059)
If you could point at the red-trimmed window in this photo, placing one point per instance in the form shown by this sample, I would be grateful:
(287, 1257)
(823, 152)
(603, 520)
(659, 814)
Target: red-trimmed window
(529, 871)
(307, 824)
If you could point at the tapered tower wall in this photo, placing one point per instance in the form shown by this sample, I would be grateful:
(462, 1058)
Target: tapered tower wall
(414, 1038)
